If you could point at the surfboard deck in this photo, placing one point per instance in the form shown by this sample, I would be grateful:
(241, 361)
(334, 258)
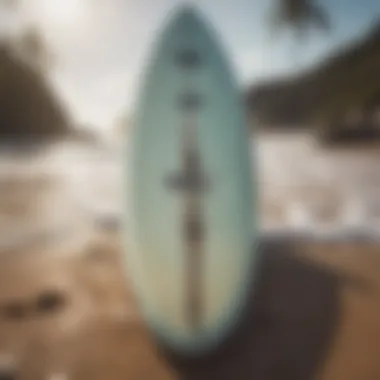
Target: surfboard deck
(191, 210)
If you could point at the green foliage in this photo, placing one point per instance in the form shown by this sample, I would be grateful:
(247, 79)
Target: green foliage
(351, 81)
(299, 15)
(28, 106)
(34, 48)
(348, 81)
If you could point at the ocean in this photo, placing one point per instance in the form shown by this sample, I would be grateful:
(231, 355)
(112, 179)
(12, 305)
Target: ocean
(302, 186)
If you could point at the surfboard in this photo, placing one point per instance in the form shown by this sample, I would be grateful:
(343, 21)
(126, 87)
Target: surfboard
(192, 225)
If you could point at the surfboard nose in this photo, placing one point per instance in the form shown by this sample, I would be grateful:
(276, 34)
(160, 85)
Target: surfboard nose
(187, 15)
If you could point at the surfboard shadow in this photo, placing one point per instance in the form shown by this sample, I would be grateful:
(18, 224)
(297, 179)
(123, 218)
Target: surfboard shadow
(288, 327)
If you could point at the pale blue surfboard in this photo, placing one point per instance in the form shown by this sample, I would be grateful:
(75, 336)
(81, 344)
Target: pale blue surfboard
(191, 234)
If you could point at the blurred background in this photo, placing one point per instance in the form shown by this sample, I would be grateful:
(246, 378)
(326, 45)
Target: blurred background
(308, 70)
(69, 77)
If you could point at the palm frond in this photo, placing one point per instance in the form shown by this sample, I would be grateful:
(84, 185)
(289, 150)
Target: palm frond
(299, 15)
(320, 17)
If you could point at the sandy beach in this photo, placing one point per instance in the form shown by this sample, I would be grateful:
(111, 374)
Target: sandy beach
(67, 310)
(95, 331)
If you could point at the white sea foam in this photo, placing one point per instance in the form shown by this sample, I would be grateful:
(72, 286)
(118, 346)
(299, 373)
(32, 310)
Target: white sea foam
(300, 179)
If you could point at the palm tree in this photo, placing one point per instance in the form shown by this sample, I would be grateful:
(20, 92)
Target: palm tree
(29, 42)
(299, 16)
(34, 48)
(8, 10)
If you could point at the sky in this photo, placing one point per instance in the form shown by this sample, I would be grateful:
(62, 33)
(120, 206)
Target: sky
(101, 45)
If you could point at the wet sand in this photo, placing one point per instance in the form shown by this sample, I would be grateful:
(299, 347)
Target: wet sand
(315, 314)
(92, 332)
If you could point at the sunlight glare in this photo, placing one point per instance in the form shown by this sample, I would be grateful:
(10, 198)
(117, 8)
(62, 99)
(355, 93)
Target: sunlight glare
(65, 13)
